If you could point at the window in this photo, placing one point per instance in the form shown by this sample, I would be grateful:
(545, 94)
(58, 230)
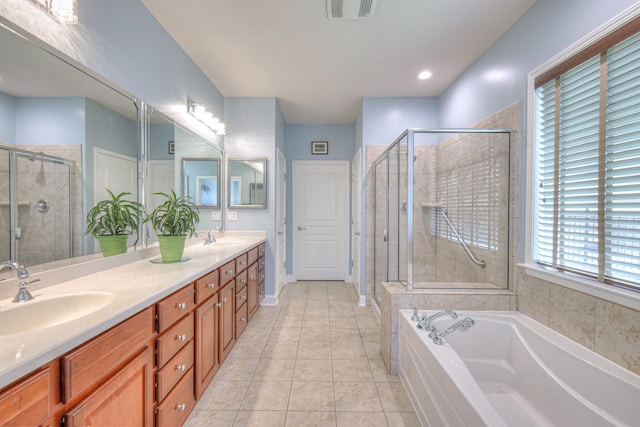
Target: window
(587, 136)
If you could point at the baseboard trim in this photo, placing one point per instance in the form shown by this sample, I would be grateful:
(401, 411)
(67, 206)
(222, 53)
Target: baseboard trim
(270, 300)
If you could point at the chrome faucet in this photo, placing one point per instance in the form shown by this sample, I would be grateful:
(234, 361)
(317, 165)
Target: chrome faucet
(461, 325)
(425, 322)
(210, 239)
(23, 294)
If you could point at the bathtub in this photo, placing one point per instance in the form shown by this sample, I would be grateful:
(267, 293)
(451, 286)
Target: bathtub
(509, 370)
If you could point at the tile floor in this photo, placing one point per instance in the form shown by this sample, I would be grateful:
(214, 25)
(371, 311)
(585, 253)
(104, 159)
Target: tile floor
(311, 361)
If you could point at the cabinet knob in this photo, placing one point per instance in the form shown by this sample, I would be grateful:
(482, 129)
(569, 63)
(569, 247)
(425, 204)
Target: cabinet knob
(211, 285)
(182, 337)
(243, 281)
(229, 271)
(224, 299)
(244, 319)
(219, 305)
(181, 406)
(181, 368)
(182, 305)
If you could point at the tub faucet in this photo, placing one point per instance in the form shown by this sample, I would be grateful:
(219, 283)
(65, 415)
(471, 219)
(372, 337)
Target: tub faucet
(210, 239)
(461, 325)
(23, 294)
(425, 322)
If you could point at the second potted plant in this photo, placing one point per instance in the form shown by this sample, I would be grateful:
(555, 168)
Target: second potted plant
(112, 221)
(173, 221)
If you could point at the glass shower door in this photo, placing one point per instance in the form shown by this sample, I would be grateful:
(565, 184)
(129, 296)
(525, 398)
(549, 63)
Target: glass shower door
(5, 212)
(44, 206)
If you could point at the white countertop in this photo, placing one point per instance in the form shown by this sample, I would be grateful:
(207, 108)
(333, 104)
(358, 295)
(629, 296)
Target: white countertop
(135, 286)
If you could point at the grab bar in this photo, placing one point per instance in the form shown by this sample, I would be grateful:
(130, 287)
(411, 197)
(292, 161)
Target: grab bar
(462, 242)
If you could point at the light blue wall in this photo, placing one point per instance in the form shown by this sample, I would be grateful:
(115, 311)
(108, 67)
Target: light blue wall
(252, 134)
(7, 118)
(49, 121)
(299, 137)
(384, 119)
(159, 136)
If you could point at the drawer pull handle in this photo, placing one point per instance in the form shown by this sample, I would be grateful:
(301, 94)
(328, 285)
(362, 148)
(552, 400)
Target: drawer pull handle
(229, 271)
(243, 281)
(211, 285)
(181, 368)
(182, 337)
(182, 305)
(224, 299)
(243, 262)
(219, 304)
(181, 406)
(243, 319)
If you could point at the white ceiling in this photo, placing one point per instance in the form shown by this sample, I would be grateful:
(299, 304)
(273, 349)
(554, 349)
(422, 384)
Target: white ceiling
(320, 69)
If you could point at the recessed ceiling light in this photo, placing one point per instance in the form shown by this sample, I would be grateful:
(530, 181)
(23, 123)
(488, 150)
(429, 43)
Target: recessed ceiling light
(424, 75)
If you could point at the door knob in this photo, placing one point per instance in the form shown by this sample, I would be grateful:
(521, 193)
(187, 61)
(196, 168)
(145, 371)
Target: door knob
(302, 228)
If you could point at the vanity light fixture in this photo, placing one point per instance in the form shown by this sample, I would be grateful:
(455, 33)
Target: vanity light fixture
(65, 11)
(200, 112)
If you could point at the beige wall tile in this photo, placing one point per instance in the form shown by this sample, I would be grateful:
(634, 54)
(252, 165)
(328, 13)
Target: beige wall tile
(618, 334)
(573, 314)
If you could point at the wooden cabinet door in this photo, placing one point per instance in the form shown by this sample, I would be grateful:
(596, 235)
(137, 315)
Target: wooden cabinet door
(227, 318)
(252, 289)
(206, 342)
(125, 399)
(29, 402)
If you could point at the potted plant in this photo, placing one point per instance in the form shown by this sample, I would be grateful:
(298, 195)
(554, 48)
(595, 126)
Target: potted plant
(112, 221)
(173, 221)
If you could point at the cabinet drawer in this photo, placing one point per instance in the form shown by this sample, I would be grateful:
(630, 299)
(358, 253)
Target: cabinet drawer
(241, 280)
(242, 318)
(168, 376)
(261, 264)
(241, 298)
(207, 285)
(175, 408)
(261, 250)
(242, 262)
(252, 255)
(28, 402)
(174, 307)
(91, 362)
(170, 342)
(227, 272)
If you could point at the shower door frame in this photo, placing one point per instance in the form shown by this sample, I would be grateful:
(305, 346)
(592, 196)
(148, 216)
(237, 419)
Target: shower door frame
(409, 134)
(14, 153)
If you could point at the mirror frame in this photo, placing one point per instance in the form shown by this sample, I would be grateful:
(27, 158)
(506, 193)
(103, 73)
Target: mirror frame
(264, 182)
(218, 176)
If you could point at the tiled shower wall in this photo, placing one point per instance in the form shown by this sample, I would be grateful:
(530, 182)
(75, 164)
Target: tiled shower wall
(45, 236)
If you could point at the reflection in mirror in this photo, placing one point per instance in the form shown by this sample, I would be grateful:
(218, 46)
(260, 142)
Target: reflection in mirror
(65, 138)
(247, 184)
(201, 181)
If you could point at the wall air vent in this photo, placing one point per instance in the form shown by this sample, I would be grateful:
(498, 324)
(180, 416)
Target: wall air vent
(350, 9)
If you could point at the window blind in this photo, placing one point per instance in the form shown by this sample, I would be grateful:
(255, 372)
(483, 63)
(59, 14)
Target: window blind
(587, 213)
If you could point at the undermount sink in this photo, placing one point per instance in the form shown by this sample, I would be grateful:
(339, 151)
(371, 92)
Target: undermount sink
(49, 311)
(228, 242)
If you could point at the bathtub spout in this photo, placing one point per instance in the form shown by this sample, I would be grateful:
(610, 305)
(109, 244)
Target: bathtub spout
(425, 322)
(461, 325)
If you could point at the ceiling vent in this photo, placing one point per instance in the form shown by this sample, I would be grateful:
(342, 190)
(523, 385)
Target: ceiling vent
(350, 9)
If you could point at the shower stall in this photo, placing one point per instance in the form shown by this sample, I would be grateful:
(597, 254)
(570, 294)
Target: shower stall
(442, 210)
(36, 206)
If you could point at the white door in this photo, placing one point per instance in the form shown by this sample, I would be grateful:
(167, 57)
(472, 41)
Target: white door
(281, 226)
(320, 219)
(356, 188)
(161, 180)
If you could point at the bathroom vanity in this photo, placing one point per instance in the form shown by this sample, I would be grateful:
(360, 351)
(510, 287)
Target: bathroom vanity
(145, 357)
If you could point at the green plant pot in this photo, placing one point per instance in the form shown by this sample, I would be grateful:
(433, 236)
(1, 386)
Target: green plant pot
(171, 248)
(113, 245)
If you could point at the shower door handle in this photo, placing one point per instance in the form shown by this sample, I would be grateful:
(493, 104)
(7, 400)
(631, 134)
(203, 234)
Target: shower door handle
(301, 228)
(384, 235)
(18, 233)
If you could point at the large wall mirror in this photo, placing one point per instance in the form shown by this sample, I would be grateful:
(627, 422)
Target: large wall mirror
(246, 182)
(65, 138)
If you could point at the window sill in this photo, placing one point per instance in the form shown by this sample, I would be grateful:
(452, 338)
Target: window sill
(610, 293)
